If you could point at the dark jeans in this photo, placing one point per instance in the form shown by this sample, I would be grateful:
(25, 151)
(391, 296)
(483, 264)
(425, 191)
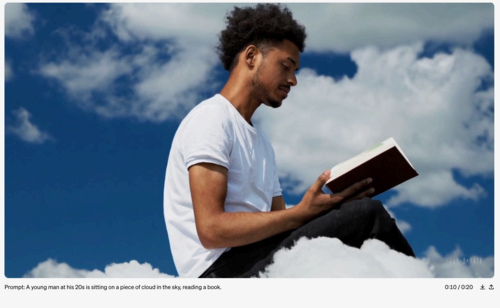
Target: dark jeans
(352, 223)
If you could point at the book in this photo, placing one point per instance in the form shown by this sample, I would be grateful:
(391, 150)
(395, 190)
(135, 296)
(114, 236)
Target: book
(385, 163)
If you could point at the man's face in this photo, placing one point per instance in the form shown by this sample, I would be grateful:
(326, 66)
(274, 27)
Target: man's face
(275, 74)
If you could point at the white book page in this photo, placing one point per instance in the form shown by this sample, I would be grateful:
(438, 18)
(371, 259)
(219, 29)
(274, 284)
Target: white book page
(359, 159)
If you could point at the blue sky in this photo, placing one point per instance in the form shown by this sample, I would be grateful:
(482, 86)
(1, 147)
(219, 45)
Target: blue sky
(94, 94)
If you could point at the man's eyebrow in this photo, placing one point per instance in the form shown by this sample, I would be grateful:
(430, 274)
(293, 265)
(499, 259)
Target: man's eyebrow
(293, 62)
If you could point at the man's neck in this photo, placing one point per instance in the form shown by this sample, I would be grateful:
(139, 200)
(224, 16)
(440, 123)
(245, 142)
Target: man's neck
(239, 93)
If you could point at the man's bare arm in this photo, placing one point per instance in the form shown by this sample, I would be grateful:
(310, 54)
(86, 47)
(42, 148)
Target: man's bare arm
(217, 228)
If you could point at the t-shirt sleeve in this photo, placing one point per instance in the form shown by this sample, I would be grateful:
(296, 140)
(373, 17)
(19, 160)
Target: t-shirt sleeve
(207, 138)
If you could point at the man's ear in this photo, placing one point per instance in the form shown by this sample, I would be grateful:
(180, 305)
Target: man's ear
(251, 55)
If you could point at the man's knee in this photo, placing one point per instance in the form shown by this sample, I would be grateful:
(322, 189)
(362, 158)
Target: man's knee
(378, 209)
(367, 207)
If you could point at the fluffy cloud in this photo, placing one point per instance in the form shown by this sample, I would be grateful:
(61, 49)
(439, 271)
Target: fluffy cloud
(155, 90)
(185, 24)
(165, 82)
(158, 81)
(132, 269)
(431, 106)
(18, 20)
(454, 265)
(26, 130)
(93, 71)
(325, 257)
(350, 26)
(347, 26)
(314, 258)
(435, 189)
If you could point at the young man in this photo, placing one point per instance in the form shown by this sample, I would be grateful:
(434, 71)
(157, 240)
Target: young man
(224, 211)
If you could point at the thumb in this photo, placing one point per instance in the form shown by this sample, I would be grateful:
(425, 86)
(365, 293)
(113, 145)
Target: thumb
(320, 182)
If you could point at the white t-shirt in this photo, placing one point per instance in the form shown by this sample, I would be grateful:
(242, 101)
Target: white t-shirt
(215, 132)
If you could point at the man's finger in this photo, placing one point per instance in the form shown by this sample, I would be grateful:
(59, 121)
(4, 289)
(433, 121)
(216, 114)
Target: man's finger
(349, 191)
(320, 182)
(361, 195)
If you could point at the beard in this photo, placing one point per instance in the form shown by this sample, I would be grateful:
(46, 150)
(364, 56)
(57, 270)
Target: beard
(261, 93)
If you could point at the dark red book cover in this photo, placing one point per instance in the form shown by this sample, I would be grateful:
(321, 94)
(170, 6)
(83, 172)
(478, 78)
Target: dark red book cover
(388, 169)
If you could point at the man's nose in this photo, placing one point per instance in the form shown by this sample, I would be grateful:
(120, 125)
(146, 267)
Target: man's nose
(292, 81)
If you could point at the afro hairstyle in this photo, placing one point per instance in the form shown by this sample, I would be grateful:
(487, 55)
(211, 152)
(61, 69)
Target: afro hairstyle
(265, 25)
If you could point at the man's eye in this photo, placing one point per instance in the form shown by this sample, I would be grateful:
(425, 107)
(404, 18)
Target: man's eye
(286, 67)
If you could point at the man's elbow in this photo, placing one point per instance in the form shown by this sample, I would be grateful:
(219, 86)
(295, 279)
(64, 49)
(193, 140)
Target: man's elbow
(208, 238)
(206, 242)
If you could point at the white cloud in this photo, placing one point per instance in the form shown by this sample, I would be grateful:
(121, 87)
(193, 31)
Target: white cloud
(326, 257)
(429, 105)
(9, 74)
(155, 90)
(313, 258)
(132, 269)
(18, 20)
(454, 265)
(349, 26)
(435, 189)
(170, 89)
(88, 72)
(163, 80)
(166, 89)
(185, 24)
(26, 130)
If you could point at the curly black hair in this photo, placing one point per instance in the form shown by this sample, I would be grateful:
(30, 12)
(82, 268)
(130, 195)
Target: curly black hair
(264, 25)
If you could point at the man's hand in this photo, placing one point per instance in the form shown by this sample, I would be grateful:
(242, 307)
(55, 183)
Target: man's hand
(316, 202)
